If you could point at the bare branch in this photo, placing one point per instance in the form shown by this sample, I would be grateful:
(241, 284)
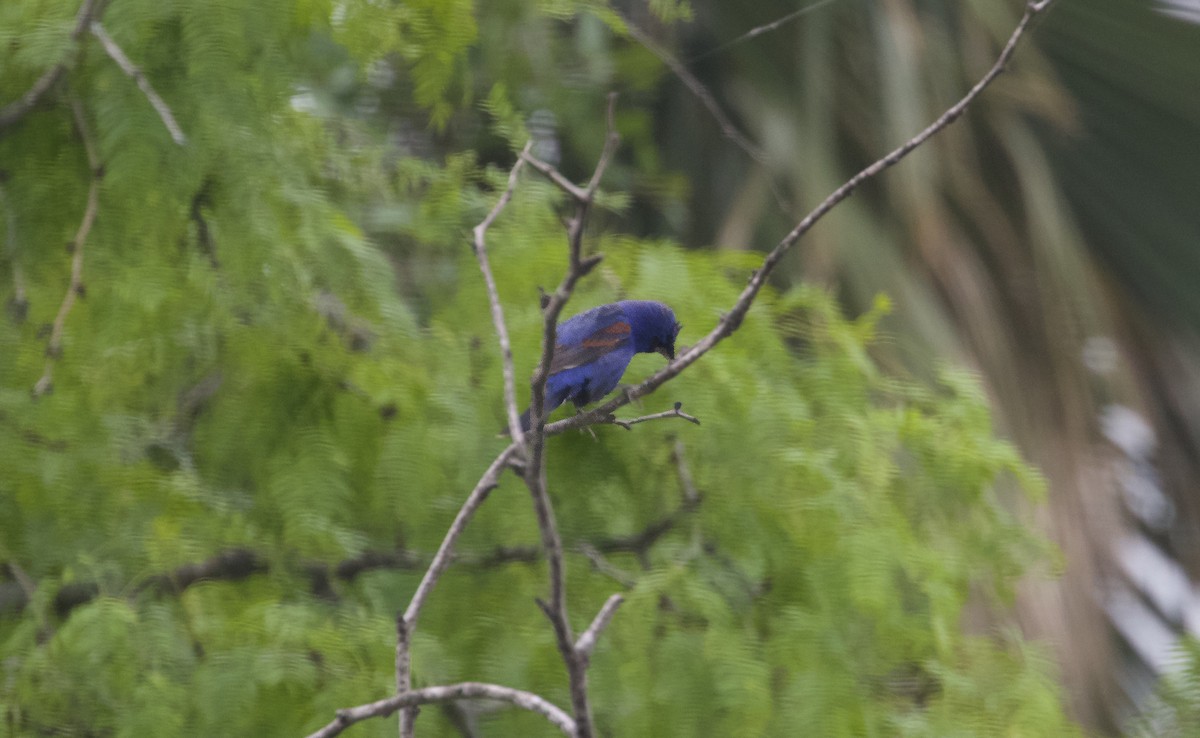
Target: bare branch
(675, 412)
(604, 566)
(549, 172)
(587, 641)
(731, 320)
(760, 30)
(75, 286)
(132, 70)
(13, 112)
(556, 608)
(480, 232)
(728, 129)
(706, 98)
(535, 469)
(462, 691)
(611, 141)
(407, 622)
(445, 552)
(576, 268)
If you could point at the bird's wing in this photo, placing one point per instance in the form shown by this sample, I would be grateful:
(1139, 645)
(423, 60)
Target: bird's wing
(605, 337)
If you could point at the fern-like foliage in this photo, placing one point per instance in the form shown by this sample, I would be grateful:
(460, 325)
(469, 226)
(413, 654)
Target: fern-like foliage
(262, 421)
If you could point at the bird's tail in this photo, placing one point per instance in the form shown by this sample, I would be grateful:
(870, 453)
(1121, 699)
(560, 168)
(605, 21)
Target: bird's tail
(524, 424)
(554, 398)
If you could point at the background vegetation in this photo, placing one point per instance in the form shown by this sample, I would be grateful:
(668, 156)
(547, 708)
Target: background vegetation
(279, 379)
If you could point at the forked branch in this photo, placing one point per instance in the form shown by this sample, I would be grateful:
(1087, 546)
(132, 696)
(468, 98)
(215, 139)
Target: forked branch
(13, 112)
(535, 469)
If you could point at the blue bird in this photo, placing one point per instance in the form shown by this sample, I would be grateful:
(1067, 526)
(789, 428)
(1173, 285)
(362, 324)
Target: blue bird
(594, 348)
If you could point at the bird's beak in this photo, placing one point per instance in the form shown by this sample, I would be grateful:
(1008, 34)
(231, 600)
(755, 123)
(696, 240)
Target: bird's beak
(667, 351)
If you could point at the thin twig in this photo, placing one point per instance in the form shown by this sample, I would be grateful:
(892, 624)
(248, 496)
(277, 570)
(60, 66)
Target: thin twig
(480, 232)
(690, 494)
(132, 70)
(13, 112)
(577, 267)
(728, 129)
(675, 412)
(760, 30)
(604, 566)
(407, 621)
(462, 691)
(577, 193)
(75, 286)
(706, 98)
(730, 321)
(535, 470)
(587, 641)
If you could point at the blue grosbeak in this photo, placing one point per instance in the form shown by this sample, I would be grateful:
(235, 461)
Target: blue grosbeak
(595, 347)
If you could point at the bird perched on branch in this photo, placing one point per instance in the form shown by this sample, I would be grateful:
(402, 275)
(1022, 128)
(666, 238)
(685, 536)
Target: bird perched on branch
(594, 348)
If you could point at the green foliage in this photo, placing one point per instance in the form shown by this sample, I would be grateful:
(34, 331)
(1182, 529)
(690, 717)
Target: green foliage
(1174, 710)
(243, 373)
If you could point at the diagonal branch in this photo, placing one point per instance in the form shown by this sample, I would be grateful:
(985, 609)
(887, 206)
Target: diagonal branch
(132, 70)
(13, 112)
(75, 287)
(407, 621)
(587, 641)
(730, 321)
(706, 98)
(549, 172)
(462, 691)
(760, 30)
(480, 245)
(605, 567)
(697, 88)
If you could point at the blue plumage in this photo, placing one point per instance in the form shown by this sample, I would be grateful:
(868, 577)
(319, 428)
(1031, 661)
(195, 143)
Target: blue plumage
(594, 348)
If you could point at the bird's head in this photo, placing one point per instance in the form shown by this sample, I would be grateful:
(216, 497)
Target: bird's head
(654, 327)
